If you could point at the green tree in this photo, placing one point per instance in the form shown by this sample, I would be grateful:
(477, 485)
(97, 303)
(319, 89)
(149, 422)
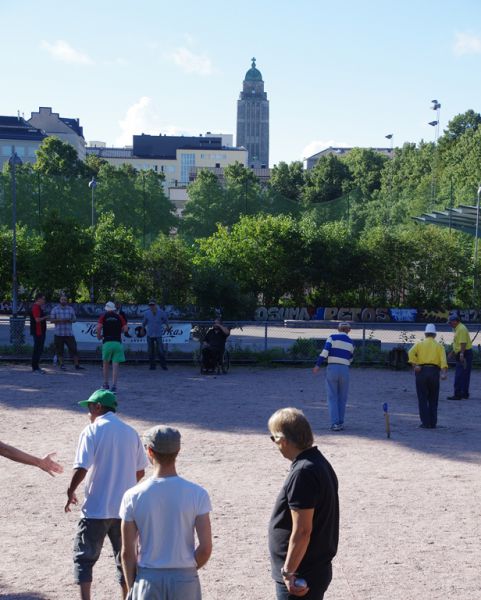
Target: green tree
(65, 258)
(117, 259)
(58, 158)
(287, 180)
(29, 250)
(326, 181)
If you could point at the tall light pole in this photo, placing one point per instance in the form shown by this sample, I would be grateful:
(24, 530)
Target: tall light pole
(16, 325)
(475, 273)
(437, 107)
(92, 186)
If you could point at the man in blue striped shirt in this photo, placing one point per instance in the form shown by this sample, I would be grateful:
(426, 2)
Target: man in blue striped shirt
(338, 352)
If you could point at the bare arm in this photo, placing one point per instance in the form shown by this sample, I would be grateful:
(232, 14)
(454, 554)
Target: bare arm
(77, 477)
(129, 551)
(298, 542)
(46, 463)
(204, 535)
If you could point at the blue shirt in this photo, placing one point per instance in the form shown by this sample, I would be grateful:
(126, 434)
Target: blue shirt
(154, 323)
(338, 349)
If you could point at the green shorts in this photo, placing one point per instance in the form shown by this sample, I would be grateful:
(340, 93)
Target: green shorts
(113, 351)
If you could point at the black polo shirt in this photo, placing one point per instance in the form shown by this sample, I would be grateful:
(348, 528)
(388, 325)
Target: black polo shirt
(112, 324)
(310, 483)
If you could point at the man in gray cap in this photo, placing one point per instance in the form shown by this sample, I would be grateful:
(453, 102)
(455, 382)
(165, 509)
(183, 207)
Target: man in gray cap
(111, 456)
(162, 513)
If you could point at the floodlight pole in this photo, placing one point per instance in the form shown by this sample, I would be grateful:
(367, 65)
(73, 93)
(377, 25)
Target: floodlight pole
(92, 186)
(475, 274)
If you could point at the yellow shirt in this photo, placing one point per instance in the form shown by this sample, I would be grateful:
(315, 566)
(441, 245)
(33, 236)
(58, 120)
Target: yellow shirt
(461, 336)
(428, 352)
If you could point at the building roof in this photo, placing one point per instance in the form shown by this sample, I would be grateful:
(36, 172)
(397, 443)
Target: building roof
(16, 128)
(104, 152)
(166, 146)
(74, 124)
(253, 74)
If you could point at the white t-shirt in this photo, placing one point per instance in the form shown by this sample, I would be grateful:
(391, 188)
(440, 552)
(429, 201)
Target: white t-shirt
(112, 453)
(164, 511)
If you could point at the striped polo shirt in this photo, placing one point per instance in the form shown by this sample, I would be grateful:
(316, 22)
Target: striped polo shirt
(338, 350)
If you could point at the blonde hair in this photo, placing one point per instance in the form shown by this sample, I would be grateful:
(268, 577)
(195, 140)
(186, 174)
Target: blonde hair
(293, 425)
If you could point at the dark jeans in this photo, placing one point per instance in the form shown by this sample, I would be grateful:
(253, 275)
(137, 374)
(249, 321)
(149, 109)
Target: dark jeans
(462, 375)
(65, 340)
(427, 389)
(316, 588)
(38, 344)
(211, 357)
(88, 545)
(156, 348)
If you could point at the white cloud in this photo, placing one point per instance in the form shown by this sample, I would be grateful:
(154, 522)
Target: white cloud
(64, 52)
(189, 62)
(318, 145)
(466, 43)
(142, 117)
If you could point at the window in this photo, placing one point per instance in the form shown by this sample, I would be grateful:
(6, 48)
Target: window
(20, 150)
(7, 150)
(186, 162)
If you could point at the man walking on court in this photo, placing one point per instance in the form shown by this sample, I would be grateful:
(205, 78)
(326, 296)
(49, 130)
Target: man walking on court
(154, 322)
(304, 526)
(38, 330)
(109, 329)
(111, 456)
(338, 353)
(160, 515)
(429, 360)
(463, 353)
(63, 315)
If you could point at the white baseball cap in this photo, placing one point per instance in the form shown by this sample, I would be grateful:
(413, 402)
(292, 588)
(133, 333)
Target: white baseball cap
(430, 328)
(109, 306)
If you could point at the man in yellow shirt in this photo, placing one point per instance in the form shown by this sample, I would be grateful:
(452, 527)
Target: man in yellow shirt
(429, 360)
(462, 351)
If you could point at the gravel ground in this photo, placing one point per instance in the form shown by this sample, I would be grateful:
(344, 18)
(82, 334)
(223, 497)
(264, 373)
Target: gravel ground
(410, 505)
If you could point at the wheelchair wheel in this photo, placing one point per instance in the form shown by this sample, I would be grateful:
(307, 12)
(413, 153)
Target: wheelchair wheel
(225, 362)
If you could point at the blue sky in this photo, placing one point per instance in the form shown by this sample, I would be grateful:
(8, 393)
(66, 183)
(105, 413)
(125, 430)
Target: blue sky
(336, 73)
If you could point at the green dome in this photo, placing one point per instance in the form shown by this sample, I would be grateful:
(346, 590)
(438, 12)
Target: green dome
(253, 74)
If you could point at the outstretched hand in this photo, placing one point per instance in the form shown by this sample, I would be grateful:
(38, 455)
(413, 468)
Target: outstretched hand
(48, 465)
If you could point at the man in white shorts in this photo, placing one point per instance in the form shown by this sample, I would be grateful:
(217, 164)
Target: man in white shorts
(164, 513)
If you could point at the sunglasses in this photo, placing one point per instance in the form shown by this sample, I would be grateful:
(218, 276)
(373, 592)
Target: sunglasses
(276, 438)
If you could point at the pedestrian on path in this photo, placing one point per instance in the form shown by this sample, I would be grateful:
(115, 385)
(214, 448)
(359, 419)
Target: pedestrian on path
(463, 353)
(428, 358)
(338, 353)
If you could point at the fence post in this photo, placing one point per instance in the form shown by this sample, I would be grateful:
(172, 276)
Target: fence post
(363, 353)
(265, 336)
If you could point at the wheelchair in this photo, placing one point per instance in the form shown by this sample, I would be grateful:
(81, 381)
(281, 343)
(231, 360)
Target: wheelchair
(211, 362)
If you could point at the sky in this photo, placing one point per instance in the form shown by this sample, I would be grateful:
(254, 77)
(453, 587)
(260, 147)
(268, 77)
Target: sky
(342, 73)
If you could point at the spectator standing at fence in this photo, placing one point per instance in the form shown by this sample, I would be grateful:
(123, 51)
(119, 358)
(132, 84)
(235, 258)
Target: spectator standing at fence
(63, 315)
(338, 353)
(463, 353)
(304, 526)
(46, 463)
(161, 515)
(428, 358)
(109, 329)
(38, 330)
(213, 345)
(155, 320)
(112, 458)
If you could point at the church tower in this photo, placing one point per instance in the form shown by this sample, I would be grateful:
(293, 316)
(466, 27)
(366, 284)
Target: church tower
(253, 119)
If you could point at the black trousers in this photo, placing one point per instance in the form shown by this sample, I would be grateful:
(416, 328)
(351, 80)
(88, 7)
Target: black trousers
(427, 389)
(38, 344)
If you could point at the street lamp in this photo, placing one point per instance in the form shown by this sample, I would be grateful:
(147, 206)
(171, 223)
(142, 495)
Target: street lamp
(16, 325)
(92, 186)
(475, 274)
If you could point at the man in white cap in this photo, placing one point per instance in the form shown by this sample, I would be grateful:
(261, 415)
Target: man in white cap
(109, 329)
(338, 353)
(159, 519)
(463, 353)
(428, 358)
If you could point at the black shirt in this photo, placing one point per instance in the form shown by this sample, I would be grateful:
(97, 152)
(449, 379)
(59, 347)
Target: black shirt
(112, 324)
(216, 338)
(310, 483)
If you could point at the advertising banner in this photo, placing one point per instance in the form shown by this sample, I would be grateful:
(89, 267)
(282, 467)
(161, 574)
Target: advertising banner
(174, 333)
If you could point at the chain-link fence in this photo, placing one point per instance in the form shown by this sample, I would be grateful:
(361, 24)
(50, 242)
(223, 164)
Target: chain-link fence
(270, 341)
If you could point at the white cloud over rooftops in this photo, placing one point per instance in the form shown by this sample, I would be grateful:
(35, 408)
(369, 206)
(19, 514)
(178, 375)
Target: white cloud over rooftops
(466, 43)
(189, 62)
(62, 51)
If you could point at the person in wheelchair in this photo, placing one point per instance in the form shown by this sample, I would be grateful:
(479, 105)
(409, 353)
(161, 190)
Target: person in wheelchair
(213, 345)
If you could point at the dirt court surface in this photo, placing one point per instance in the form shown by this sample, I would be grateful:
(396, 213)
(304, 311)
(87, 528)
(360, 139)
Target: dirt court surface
(410, 505)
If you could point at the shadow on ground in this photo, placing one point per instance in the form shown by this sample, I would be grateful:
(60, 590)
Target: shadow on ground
(247, 396)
